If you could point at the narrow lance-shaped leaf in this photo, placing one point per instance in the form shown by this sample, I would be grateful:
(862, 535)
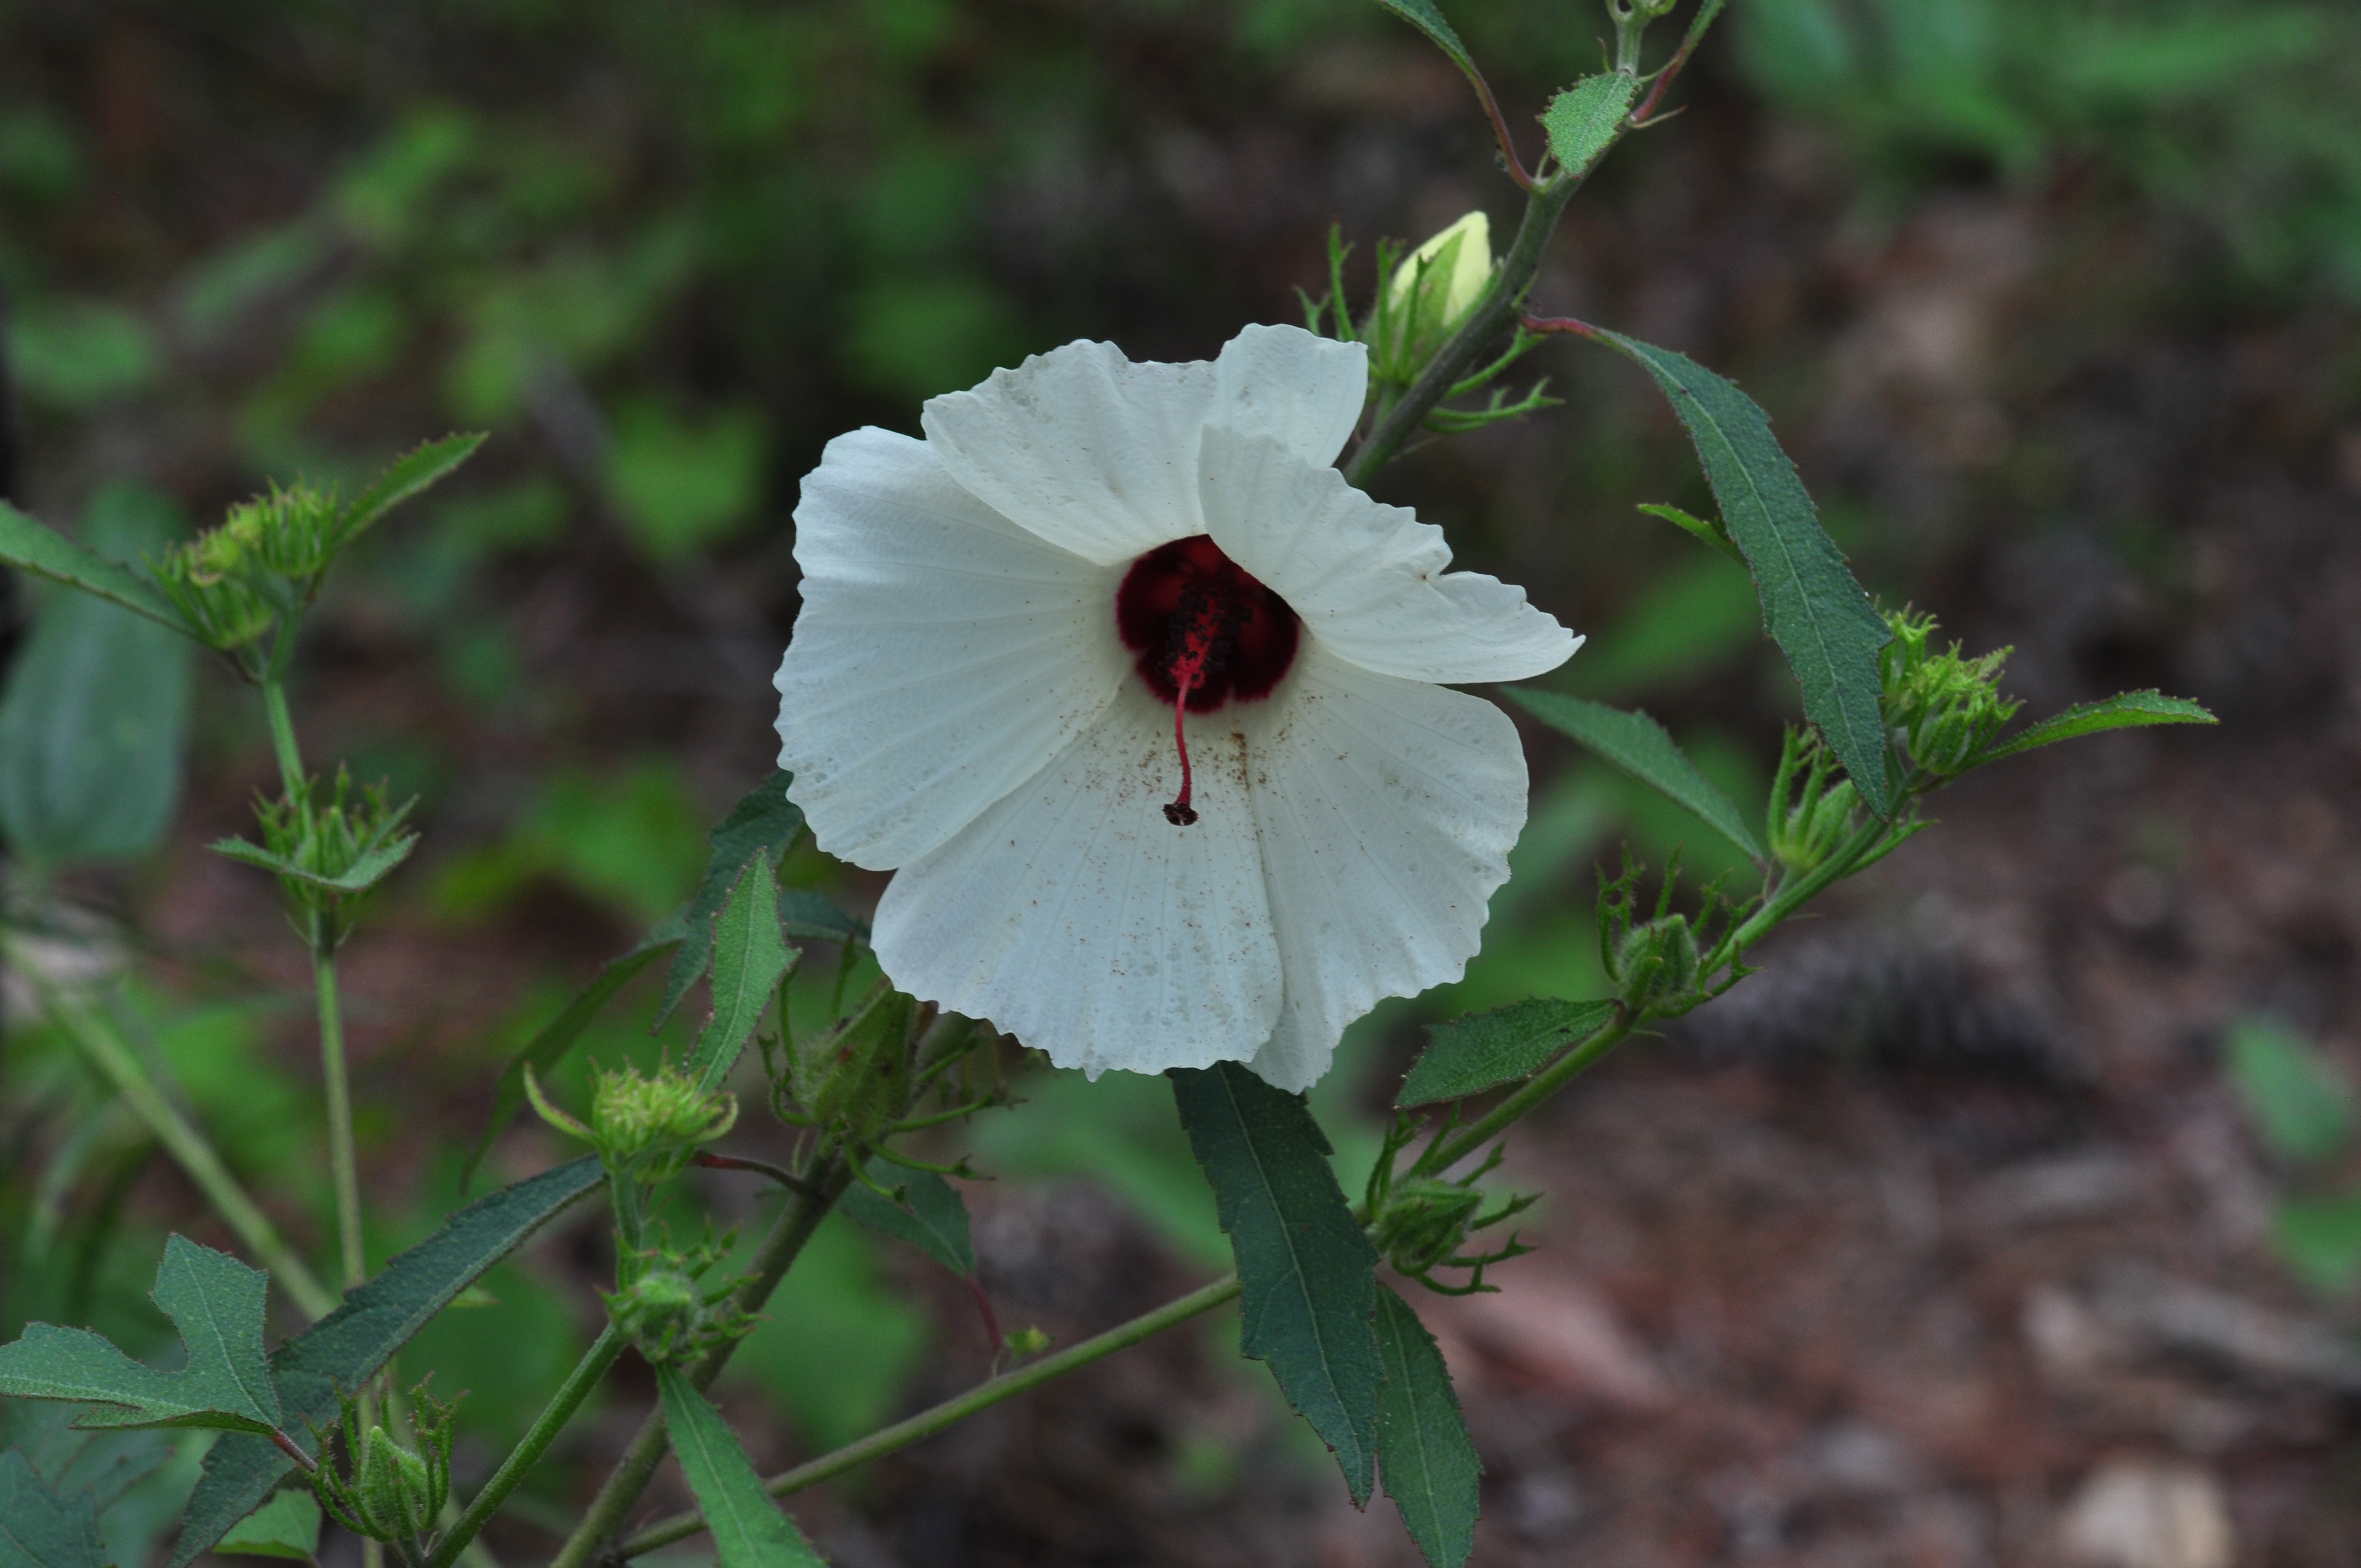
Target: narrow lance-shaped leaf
(931, 1217)
(1583, 121)
(1715, 533)
(2128, 711)
(1431, 1469)
(1428, 18)
(560, 1035)
(414, 471)
(96, 708)
(749, 1530)
(1309, 1274)
(750, 957)
(38, 1529)
(349, 1345)
(1470, 1055)
(365, 873)
(1816, 612)
(216, 1304)
(1638, 745)
(765, 822)
(34, 547)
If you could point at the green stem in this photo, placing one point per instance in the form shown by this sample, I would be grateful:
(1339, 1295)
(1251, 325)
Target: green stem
(806, 1205)
(282, 722)
(95, 1034)
(1446, 1153)
(527, 1452)
(982, 1396)
(344, 1166)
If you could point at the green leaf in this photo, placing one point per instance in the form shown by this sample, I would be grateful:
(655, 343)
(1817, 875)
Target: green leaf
(1812, 607)
(1431, 1469)
(40, 1529)
(349, 1345)
(1470, 1055)
(561, 1034)
(286, 1526)
(2320, 1238)
(216, 1304)
(931, 1217)
(1428, 18)
(34, 547)
(749, 957)
(764, 821)
(427, 466)
(1310, 1275)
(1583, 121)
(365, 873)
(749, 1530)
(1716, 532)
(2128, 711)
(1638, 745)
(809, 916)
(2298, 1102)
(96, 709)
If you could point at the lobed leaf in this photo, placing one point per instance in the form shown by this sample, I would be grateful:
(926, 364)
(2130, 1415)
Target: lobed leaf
(1472, 1054)
(1428, 18)
(216, 1304)
(1640, 746)
(1310, 1276)
(749, 957)
(286, 1526)
(37, 548)
(1583, 121)
(931, 1217)
(412, 472)
(765, 820)
(749, 1530)
(38, 1529)
(1816, 612)
(1431, 1468)
(559, 1036)
(2128, 710)
(349, 1345)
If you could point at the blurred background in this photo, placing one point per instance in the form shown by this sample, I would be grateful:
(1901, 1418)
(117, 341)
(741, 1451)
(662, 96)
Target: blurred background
(2006, 1218)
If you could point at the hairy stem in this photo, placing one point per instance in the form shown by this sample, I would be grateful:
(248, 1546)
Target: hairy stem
(536, 1443)
(1448, 1152)
(951, 1412)
(96, 1037)
(282, 722)
(807, 1203)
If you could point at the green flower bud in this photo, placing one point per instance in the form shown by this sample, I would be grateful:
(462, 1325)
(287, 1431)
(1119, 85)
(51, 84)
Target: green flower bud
(396, 1489)
(1430, 293)
(1029, 1340)
(857, 1076)
(666, 1116)
(1424, 1223)
(661, 1311)
(1657, 962)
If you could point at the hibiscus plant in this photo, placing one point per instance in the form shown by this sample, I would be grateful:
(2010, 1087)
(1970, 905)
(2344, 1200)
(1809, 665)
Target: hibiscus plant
(1148, 706)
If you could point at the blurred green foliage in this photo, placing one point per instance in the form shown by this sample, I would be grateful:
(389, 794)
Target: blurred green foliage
(2241, 114)
(2300, 1103)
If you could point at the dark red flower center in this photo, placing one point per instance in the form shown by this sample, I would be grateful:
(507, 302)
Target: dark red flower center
(1202, 633)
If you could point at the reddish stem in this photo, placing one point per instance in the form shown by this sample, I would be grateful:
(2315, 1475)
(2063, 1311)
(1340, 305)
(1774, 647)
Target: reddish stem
(991, 1320)
(1499, 129)
(1558, 323)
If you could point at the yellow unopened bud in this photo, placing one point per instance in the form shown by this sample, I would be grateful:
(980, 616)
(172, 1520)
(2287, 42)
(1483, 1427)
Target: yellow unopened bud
(1457, 267)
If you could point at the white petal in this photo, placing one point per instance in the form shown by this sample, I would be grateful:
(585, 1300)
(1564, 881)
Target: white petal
(1302, 391)
(1368, 580)
(1082, 447)
(943, 655)
(1074, 915)
(1388, 808)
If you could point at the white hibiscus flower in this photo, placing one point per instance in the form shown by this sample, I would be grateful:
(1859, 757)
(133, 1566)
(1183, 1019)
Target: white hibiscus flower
(1143, 705)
